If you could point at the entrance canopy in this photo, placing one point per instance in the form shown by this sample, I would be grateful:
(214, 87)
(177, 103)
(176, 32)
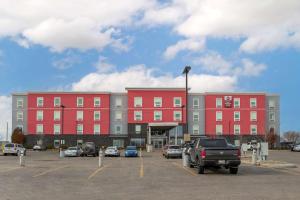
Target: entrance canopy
(162, 125)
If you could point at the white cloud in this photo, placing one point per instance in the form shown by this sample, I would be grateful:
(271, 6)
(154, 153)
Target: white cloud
(61, 24)
(215, 63)
(102, 65)
(5, 116)
(189, 44)
(141, 76)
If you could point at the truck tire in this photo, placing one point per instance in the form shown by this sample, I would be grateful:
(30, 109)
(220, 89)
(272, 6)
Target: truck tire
(190, 164)
(200, 170)
(233, 170)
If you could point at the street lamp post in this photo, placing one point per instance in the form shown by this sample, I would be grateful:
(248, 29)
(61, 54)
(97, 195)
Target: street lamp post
(62, 122)
(186, 71)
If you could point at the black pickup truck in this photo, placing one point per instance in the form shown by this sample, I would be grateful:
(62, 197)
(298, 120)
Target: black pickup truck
(208, 152)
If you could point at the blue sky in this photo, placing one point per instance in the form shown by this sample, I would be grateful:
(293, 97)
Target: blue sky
(62, 46)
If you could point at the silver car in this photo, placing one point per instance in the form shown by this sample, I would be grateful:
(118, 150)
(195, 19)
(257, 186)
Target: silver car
(73, 152)
(13, 149)
(112, 151)
(173, 151)
(296, 147)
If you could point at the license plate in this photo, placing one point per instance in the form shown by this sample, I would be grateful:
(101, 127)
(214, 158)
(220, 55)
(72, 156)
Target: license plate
(221, 161)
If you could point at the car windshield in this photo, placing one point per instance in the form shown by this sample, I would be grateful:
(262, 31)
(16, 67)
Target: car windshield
(9, 145)
(72, 148)
(131, 148)
(111, 148)
(213, 143)
(174, 147)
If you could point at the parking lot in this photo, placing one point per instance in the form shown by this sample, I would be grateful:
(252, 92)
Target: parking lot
(46, 176)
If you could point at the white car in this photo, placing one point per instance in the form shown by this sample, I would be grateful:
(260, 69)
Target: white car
(112, 151)
(13, 149)
(39, 148)
(73, 151)
(296, 147)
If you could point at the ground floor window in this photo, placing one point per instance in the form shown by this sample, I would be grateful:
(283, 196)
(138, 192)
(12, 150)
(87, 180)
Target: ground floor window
(139, 142)
(79, 142)
(56, 143)
(118, 143)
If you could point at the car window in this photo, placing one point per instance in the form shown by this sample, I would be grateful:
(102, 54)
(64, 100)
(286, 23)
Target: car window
(131, 148)
(72, 148)
(174, 147)
(213, 143)
(9, 145)
(111, 148)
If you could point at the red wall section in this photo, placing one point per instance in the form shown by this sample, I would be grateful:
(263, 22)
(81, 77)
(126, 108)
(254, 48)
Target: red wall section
(228, 114)
(70, 103)
(148, 105)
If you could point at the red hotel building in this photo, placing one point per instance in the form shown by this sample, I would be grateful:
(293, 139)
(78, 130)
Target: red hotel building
(153, 116)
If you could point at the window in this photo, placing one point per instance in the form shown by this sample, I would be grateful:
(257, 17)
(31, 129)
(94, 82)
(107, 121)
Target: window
(79, 101)
(219, 116)
(219, 129)
(97, 129)
(118, 143)
(79, 129)
(253, 129)
(237, 116)
(195, 116)
(19, 103)
(253, 116)
(56, 115)
(40, 101)
(39, 115)
(157, 101)
(97, 101)
(253, 103)
(237, 129)
(39, 128)
(271, 104)
(96, 115)
(195, 129)
(272, 116)
(118, 115)
(138, 142)
(118, 129)
(237, 102)
(177, 115)
(56, 101)
(79, 115)
(20, 126)
(138, 101)
(138, 115)
(19, 116)
(118, 102)
(195, 103)
(157, 115)
(177, 101)
(56, 129)
(138, 129)
(218, 102)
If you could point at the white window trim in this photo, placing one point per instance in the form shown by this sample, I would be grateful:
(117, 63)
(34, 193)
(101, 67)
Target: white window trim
(198, 102)
(96, 99)
(221, 116)
(77, 129)
(140, 127)
(95, 112)
(118, 132)
(251, 126)
(174, 102)
(237, 119)
(221, 132)
(77, 115)
(37, 115)
(20, 118)
(196, 114)
(157, 100)
(253, 100)
(234, 129)
(219, 100)
(138, 102)
(57, 105)
(37, 101)
(118, 102)
(155, 113)
(236, 100)
(54, 132)
(22, 103)
(97, 132)
(174, 115)
(141, 114)
(253, 113)
(42, 127)
(118, 115)
(196, 128)
(77, 102)
(56, 119)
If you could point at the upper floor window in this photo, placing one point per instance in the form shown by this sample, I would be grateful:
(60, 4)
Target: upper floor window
(219, 116)
(253, 103)
(237, 102)
(272, 116)
(118, 115)
(218, 102)
(253, 116)
(157, 101)
(40, 101)
(237, 116)
(138, 129)
(20, 103)
(79, 129)
(79, 101)
(138, 115)
(79, 115)
(195, 102)
(253, 129)
(96, 115)
(195, 116)
(56, 129)
(195, 129)
(237, 129)
(39, 128)
(57, 101)
(177, 101)
(157, 115)
(219, 129)
(271, 104)
(56, 115)
(19, 116)
(97, 101)
(97, 129)
(118, 129)
(177, 115)
(118, 102)
(138, 101)
(39, 115)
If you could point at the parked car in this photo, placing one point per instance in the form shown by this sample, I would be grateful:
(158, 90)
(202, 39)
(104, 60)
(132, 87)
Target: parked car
(38, 147)
(208, 152)
(173, 151)
(112, 151)
(89, 148)
(296, 147)
(131, 151)
(13, 149)
(73, 152)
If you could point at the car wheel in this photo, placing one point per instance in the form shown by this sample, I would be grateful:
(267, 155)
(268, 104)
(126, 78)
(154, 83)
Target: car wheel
(233, 170)
(190, 163)
(200, 170)
(167, 156)
(5, 154)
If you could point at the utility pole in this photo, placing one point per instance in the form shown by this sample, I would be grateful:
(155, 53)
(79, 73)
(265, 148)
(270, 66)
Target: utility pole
(6, 131)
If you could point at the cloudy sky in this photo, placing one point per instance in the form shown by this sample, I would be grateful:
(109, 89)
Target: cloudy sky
(232, 45)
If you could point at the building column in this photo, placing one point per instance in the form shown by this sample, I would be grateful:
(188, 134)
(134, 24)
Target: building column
(149, 146)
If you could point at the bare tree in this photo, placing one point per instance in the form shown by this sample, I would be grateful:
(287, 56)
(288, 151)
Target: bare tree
(271, 137)
(291, 136)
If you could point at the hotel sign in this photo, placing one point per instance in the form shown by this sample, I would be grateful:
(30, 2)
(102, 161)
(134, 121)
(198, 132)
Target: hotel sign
(227, 101)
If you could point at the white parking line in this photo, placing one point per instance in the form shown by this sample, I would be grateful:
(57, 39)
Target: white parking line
(98, 170)
(185, 169)
(48, 171)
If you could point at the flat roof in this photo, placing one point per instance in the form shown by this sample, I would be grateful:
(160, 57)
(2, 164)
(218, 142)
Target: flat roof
(155, 88)
(62, 92)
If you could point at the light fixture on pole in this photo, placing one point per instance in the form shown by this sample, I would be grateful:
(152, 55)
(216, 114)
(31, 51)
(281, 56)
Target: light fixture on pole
(186, 71)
